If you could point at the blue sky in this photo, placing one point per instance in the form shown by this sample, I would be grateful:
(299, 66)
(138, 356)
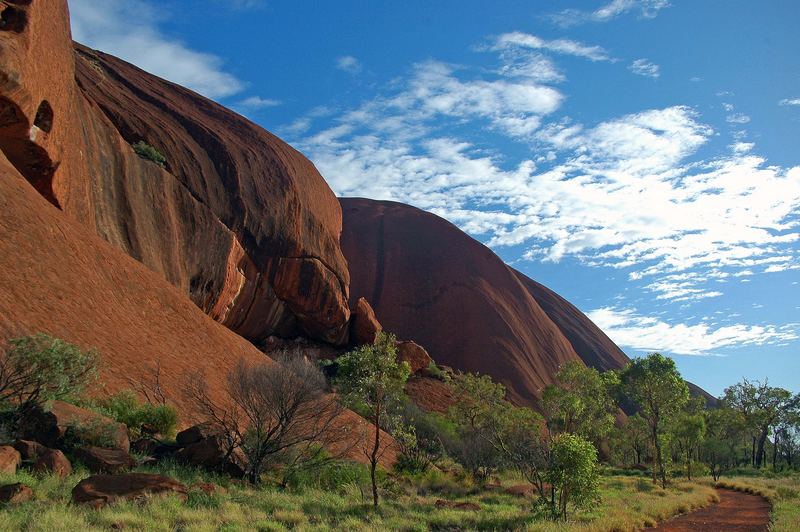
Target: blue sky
(637, 156)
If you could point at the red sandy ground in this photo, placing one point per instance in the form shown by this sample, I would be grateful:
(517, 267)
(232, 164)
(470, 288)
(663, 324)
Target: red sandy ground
(736, 511)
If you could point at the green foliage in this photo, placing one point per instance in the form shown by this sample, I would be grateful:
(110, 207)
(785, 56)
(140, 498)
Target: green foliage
(573, 472)
(146, 151)
(40, 368)
(126, 408)
(688, 432)
(656, 386)
(94, 432)
(371, 379)
(580, 402)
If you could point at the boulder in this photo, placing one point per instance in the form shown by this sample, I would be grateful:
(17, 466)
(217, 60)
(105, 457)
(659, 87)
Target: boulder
(210, 453)
(414, 354)
(364, 326)
(15, 493)
(28, 449)
(49, 427)
(99, 490)
(52, 461)
(99, 460)
(9, 459)
(196, 433)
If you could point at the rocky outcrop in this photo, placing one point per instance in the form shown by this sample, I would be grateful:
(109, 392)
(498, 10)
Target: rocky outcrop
(99, 490)
(236, 219)
(49, 427)
(414, 354)
(9, 459)
(431, 283)
(15, 493)
(99, 460)
(52, 462)
(204, 446)
(364, 327)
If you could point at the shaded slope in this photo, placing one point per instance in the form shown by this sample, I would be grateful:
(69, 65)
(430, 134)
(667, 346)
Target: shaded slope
(431, 283)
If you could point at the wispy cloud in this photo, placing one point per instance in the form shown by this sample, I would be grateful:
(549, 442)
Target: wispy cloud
(560, 46)
(630, 192)
(629, 329)
(790, 101)
(643, 8)
(349, 64)
(257, 102)
(643, 67)
(126, 28)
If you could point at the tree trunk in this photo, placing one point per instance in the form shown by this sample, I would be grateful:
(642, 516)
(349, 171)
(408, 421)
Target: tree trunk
(661, 464)
(688, 464)
(373, 459)
(656, 455)
(753, 453)
(762, 439)
(775, 452)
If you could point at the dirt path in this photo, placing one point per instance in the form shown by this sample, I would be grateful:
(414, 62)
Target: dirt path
(736, 511)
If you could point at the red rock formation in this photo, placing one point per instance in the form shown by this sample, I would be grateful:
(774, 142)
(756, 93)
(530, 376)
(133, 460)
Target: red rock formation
(238, 220)
(364, 327)
(57, 276)
(413, 353)
(431, 283)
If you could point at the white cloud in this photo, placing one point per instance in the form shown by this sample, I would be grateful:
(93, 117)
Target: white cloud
(737, 118)
(630, 192)
(349, 64)
(125, 28)
(790, 101)
(643, 67)
(629, 329)
(257, 102)
(518, 39)
(644, 8)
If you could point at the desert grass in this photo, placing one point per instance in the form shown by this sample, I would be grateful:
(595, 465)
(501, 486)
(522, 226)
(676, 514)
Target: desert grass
(341, 501)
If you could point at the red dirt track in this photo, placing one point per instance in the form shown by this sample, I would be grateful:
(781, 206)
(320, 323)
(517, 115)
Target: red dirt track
(736, 511)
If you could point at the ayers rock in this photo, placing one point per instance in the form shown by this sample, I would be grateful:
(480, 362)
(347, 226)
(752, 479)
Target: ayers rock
(430, 282)
(237, 220)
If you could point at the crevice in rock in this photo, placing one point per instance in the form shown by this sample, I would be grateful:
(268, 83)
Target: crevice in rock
(13, 19)
(44, 117)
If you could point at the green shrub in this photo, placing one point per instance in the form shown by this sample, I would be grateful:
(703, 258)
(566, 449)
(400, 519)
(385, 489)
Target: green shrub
(94, 432)
(331, 476)
(146, 151)
(40, 368)
(126, 408)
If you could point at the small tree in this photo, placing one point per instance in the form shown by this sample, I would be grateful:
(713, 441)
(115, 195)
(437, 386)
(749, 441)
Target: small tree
(688, 432)
(580, 401)
(39, 368)
(573, 473)
(372, 380)
(146, 151)
(656, 386)
(275, 413)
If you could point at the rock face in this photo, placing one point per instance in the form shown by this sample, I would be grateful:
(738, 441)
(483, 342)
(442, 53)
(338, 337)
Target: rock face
(203, 446)
(431, 283)
(237, 220)
(99, 490)
(365, 326)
